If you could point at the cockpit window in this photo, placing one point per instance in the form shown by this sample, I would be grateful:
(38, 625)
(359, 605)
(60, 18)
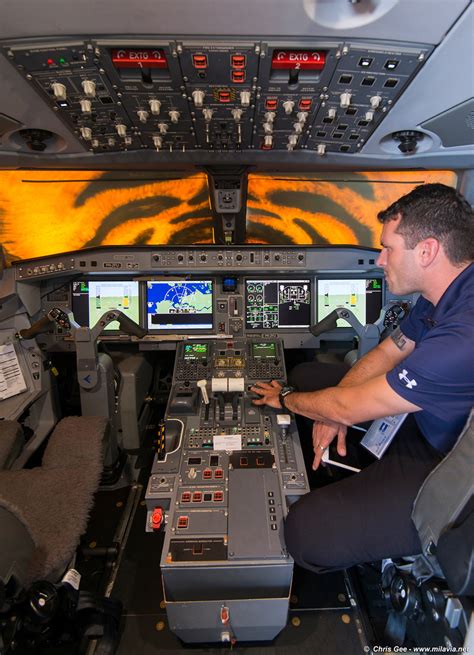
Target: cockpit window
(327, 208)
(43, 212)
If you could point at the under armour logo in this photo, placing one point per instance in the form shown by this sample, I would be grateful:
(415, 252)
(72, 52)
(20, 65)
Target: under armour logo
(404, 376)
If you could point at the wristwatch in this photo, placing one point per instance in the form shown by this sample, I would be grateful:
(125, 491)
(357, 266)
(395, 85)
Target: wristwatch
(285, 391)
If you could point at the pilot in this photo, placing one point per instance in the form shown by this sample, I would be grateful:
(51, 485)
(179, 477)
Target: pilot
(424, 368)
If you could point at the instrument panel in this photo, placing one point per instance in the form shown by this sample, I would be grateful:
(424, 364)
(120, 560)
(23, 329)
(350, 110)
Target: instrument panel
(221, 292)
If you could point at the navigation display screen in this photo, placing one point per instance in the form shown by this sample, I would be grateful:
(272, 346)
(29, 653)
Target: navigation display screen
(179, 305)
(277, 304)
(193, 351)
(92, 298)
(362, 297)
(264, 350)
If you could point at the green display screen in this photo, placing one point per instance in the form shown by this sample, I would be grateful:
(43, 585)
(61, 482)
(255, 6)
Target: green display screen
(264, 350)
(195, 351)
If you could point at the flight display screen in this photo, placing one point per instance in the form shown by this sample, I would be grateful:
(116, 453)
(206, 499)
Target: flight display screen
(277, 304)
(194, 351)
(264, 350)
(92, 298)
(179, 305)
(362, 297)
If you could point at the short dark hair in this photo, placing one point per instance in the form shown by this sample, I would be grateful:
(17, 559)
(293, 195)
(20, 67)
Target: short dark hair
(438, 211)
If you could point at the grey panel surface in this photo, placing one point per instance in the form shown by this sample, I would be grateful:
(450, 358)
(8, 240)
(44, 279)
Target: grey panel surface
(455, 127)
(184, 582)
(212, 521)
(391, 19)
(250, 505)
(260, 619)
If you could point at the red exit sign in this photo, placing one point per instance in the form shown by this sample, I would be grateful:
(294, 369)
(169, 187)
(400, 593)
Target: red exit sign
(299, 59)
(139, 58)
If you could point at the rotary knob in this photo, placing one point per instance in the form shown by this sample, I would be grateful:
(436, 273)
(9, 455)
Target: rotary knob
(142, 115)
(302, 116)
(267, 128)
(86, 106)
(288, 106)
(163, 128)
(174, 115)
(375, 102)
(198, 97)
(321, 149)
(270, 116)
(298, 128)
(207, 113)
(89, 88)
(369, 116)
(157, 142)
(245, 98)
(268, 141)
(121, 130)
(86, 133)
(332, 113)
(292, 139)
(155, 106)
(237, 114)
(59, 90)
(345, 100)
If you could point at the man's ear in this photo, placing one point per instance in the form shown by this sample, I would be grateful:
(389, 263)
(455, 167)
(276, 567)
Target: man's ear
(428, 250)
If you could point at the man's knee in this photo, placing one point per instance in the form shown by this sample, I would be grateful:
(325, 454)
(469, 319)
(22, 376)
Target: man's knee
(307, 535)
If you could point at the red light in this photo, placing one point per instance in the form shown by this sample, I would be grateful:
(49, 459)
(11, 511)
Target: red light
(299, 59)
(50, 62)
(143, 58)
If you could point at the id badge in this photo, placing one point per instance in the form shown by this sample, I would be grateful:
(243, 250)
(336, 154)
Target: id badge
(381, 433)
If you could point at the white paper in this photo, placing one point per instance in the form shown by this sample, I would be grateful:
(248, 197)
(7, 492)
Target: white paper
(12, 381)
(227, 442)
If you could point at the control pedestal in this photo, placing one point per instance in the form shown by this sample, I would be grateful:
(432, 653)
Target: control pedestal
(224, 477)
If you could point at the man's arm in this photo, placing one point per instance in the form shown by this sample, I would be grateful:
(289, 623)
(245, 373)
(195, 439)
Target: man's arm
(381, 359)
(352, 404)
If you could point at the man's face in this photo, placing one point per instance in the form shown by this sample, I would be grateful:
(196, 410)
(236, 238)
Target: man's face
(400, 264)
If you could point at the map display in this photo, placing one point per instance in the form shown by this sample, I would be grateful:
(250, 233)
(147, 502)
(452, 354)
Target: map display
(179, 304)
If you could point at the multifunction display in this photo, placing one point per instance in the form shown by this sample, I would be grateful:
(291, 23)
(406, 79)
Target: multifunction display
(179, 305)
(194, 351)
(266, 350)
(91, 299)
(362, 297)
(277, 304)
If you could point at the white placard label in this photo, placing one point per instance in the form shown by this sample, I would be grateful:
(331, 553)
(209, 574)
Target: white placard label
(227, 442)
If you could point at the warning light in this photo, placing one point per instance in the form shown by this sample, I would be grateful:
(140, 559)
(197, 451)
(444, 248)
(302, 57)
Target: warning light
(299, 59)
(50, 62)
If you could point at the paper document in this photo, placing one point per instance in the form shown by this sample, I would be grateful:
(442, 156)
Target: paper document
(12, 381)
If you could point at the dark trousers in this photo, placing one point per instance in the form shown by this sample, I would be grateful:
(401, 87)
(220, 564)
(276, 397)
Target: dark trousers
(366, 516)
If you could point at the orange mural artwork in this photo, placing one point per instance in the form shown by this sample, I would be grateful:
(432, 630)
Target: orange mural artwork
(45, 212)
(327, 208)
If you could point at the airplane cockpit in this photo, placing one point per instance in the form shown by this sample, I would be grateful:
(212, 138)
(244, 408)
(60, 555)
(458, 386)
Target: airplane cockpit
(188, 208)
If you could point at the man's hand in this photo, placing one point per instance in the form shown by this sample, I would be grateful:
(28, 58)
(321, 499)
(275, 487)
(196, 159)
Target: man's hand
(323, 433)
(269, 392)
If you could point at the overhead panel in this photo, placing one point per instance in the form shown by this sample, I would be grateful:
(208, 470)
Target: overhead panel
(174, 96)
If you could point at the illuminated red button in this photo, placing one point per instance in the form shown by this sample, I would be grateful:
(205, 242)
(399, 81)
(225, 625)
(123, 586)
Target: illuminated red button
(200, 61)
(237, 61)
(271, 103)
(183, 522)
(224, 96)
(238, 77)
(156, 518)
(305, 104)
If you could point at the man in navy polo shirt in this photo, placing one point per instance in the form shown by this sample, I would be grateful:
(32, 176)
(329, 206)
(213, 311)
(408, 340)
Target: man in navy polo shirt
(424, 369)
